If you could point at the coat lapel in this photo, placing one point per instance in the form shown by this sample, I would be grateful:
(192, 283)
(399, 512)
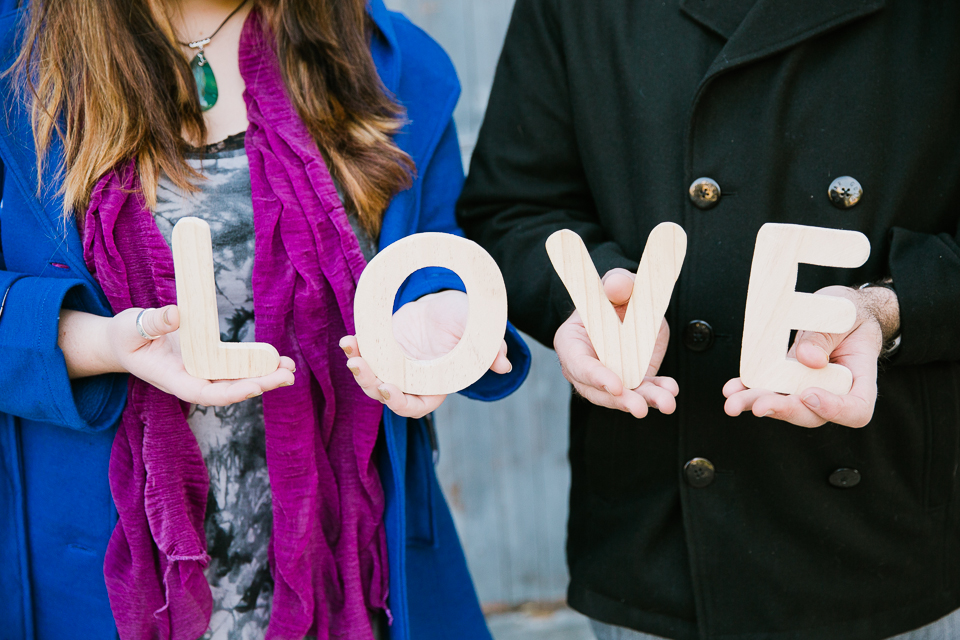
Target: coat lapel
(770, 26)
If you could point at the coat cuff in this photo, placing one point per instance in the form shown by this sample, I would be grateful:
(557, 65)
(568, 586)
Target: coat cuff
(926, 273)
(33, 372)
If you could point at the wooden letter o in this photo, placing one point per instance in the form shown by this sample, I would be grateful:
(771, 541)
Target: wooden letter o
(486, 320)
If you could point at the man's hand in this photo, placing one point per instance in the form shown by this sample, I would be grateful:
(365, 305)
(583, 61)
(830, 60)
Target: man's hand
(878, 319)
(425, 329)
(600, 385)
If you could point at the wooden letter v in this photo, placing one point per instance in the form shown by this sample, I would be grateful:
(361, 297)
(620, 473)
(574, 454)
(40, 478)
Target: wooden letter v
(623, 347)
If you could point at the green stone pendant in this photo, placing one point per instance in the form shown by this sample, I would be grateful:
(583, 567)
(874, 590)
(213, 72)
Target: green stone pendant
(206, 82)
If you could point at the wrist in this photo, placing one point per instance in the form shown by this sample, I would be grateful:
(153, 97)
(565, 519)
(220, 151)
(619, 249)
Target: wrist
(880, 300)
(88, 343)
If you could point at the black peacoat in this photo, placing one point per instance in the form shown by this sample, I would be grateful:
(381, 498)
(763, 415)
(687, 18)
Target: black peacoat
(602, 115)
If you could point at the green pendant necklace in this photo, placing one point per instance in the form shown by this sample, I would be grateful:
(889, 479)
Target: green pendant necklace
(202, 71)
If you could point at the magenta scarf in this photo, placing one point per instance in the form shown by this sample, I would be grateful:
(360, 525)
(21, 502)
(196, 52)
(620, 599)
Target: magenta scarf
(328, 551)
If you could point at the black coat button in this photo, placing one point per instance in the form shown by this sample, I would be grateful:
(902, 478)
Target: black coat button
(698, 335)
(704, 193)
(845, 478)
(699, 472)
(845, 192)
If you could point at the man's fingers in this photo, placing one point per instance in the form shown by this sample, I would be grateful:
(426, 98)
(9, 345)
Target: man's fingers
(852, 410)
(159, 322)
(588, 372)
(659, 348)
(658, 396)
(740, 398)
(813, 349)
(664, 382)
(629, 401)
(733, 386)
(618, 285)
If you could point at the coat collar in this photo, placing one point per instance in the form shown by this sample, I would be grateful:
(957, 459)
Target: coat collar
(770, 26)
(386, 50)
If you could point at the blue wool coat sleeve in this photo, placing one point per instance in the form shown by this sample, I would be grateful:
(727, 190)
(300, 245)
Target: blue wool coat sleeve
(33, 372)
(442, 181)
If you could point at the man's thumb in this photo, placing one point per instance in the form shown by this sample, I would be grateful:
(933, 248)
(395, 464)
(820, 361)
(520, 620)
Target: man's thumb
(813, 349)
(618, 285)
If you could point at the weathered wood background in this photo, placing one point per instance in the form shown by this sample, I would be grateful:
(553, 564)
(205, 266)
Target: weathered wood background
(503, 466)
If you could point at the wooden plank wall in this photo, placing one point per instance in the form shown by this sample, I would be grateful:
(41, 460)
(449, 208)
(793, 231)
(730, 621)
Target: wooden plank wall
(503, 466)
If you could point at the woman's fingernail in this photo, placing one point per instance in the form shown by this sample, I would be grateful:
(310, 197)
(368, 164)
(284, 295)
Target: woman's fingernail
(166, 316)
(254, 395)
(607, 389)
(384, 393)
(286, 384)
(354, 370)
(769, 413)
(812, 401)
(654, 405)
(347, 350)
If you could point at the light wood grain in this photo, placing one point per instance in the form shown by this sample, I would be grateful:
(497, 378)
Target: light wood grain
(486, 320)
(774, 307)
(204, 355)
(623, 347)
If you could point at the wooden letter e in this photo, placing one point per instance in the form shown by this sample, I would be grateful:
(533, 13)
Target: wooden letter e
(774, 307)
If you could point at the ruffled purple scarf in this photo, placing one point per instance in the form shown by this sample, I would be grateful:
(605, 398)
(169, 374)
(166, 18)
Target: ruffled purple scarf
(328, 551)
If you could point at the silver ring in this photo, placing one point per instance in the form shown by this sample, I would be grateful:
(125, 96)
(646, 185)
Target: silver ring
(146, 336)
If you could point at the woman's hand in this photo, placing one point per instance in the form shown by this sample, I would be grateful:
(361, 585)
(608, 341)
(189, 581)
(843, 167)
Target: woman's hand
(598, 384)
(425, 329)
(93, 345)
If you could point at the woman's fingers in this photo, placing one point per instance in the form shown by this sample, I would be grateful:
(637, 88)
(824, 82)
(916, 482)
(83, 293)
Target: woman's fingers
(501, 363)
(350, 346)
(408, 405)
(403, 404)
(160, 322)
(365, 377)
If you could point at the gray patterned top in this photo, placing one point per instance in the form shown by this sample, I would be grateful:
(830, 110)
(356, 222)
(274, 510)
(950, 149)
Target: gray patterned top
(238, 521)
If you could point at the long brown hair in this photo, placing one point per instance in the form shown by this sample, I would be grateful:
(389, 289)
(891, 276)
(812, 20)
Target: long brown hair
(108, 77)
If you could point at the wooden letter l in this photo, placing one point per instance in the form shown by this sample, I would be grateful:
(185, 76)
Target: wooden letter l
(204, 356)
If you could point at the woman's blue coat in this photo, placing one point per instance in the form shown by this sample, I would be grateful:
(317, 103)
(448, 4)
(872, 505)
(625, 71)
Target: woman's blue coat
(56, 513)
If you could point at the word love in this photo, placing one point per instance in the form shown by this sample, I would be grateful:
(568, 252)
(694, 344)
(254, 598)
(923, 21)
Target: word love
(774, 308)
